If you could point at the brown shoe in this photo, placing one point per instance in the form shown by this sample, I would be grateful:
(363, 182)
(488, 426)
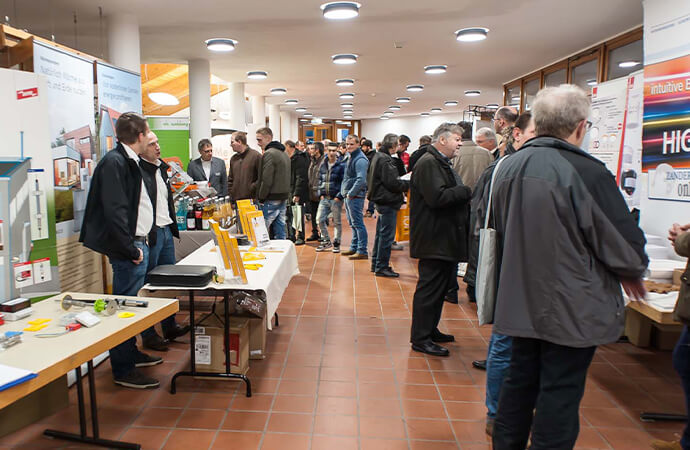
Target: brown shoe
(359, 256)
(489, 426)
(348, 253)
(666, 445)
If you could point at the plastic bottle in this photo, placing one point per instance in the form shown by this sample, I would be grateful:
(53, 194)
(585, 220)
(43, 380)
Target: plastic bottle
(181, 214)
(198, 212)
(206, 213)
(191, 218)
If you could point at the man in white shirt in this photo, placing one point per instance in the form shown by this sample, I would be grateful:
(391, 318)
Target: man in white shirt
(210, 169)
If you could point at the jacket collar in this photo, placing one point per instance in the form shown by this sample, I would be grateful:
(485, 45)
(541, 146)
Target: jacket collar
(438, 155)
(556, 143)
(277, 145)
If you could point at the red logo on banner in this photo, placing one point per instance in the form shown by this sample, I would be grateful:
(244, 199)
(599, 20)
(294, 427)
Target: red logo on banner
(27, 93)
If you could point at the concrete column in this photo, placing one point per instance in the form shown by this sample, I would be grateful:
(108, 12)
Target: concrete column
(274, 120)
(237, 115)
(293, 126)
(258, 119)
(123, 41)
(199, 102)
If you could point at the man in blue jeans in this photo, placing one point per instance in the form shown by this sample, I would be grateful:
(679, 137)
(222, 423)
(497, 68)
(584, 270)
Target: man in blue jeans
(353, 190)
(330, 180)
(386, 191)
(274, 182)
(117, 222)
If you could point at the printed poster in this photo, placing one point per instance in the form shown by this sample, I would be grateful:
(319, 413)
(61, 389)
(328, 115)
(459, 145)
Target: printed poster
(607, 115)
(119, 91)
(630, 162)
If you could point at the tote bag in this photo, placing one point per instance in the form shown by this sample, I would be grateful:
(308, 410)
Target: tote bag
(487, 264)
(297, 218)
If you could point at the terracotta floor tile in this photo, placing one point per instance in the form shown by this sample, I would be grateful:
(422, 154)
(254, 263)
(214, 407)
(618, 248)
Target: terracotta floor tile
(461, 393)
(378, 390)
(163, 398)
(382, 427)
(257, 402)
(292, 403)
(470, 431)
(438, 430)
(226, 440)
(607, 417)
(384, 444)
(203, 400)
(419, 392)
(379, 407)
(338, 374)
(186, 439)
(466, 410)
(414, 377)
(336, 425)
(209, 419)
(376, 376)
(159, 417)
(290, 423)
(245, 421)
(626, 438)
(148, 438)
(433, 445)
(337, 389)
(336, 405)
(590, 438)
(293, 387)
(427, 409)
(334, 442)
(279, 441)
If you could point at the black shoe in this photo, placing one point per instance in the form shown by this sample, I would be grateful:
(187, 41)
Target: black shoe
(470, 293)
(144, 360)
(437, 336)
(451, 299)
(479, 364)
(155, 342)
(177, 331)
(313, 237)
(430, 349)
(299, 242)
(137, 380)
(388, 273)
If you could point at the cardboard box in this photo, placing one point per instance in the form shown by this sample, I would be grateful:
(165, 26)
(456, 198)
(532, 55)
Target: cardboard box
(209, 352)
(257, 335)
(677, 273)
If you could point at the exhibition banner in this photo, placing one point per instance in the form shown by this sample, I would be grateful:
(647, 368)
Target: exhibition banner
(173, 137)
(607, 115)
(666, 129)
(630, 161)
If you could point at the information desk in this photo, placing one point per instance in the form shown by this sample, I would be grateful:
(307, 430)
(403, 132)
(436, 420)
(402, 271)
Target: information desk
(53, 357)
(271, 280)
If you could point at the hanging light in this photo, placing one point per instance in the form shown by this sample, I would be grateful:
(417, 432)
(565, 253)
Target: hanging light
(340, 10)
(344, 58)
(347, 111)
(278, 91)
(348, 116)
(628, 64)
(301, 109)
(346, 96)
(394, 107)
(221, 44)
(415, 87)
(257, 75)
(436, 110)
(473, 92)
(163, 98)
(291, 102)
(344, 82)
(451, 103)
(435, 69)
(403, 99)
(471, 34)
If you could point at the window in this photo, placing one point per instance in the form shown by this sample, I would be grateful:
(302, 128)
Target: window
(513, 96)
(531, 89)
(584, 71)
(556, 78)
(629, 55)
(85, 140)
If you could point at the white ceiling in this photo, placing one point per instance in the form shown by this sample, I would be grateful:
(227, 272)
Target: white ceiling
(293, 42)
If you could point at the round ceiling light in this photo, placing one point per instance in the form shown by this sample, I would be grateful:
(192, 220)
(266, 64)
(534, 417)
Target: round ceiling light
(278, 91)
(291, 102)
(303, 120)
(346, 105)
(403, 99)
(451, 103)
(344, 58)
(308, 115)
(591, 82)
(221, 44)
(347, 111)
(301, 109)
(471, 34)
(346, 96)
(435, 69)
(425, 114)
(340, 10)
(415, 88)
(384, 117)
(435, 110)
(492, 105)
(345, 82)
(394, 107)
(628, 64)
(163, 98)
(473, 92)
(257, 75)
(348, 116)
(388, 113)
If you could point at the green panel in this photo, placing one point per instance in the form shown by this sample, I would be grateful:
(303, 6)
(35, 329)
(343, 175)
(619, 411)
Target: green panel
(174, 143)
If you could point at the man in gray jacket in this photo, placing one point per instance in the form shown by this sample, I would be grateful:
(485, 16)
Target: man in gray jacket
(567, 243)
(208, 168)
(274, 182)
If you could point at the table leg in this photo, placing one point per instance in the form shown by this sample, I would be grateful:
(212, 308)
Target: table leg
(82, 436)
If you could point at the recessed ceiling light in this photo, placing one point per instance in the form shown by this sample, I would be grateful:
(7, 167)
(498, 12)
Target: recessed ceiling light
(425, 114)
(344, 58)
(627, 64)
(394, 107)
(257, 75)
(308, 115)
(163, 98)
(347, 111)
(340, 10)
(436, 110)
(278, 91)
(403, 99)
(347, 116)
(388, 113)
(415, 87)
(300, 109)
(384, 117)
(492, 105)
(346, 105)
(345, 82)
(515, 98)
(473, 92)
(591, 82)
(435, 69)
(346, 96)
(304, 120)
(221, 44)
(291, 102)
(451, 103)
(471, 34)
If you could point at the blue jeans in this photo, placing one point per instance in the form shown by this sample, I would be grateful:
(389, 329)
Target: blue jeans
(354, 208)
(681, 362)
(326, 206)
(161, 253)
(497, 363)
(385, 234)
(128, 278)
(274, 215)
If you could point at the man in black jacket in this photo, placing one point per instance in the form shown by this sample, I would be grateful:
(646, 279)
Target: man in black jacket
(316, 158)
(367, 148)
(438, 218)
(161, 245)
(424, 142)
(386, 191)
(299, 189)
(117, 222)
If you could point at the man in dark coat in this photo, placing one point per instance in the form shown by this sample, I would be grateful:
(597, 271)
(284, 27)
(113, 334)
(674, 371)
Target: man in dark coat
(299, 188)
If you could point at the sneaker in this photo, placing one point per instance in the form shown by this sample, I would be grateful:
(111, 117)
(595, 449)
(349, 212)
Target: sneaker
(348, 252)
(336, 248)
(144, 360)
(137, 380)
(313, 237)
(324, 246)
(299, 242)
(155, 342)
(396, 246)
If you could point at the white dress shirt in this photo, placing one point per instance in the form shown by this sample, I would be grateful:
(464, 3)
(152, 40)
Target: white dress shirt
(145, 214)
(162, 214)
(206, 165)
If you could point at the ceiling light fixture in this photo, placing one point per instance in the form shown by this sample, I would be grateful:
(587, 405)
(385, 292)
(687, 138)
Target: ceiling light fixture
(346, 105)
(308, 115)
(451, 103)
(425, 114)
(591, 82)
(394, 107)
(388, 113)
(346, 96)
(340, 10)
(163, 98)
(278, 91)
(301, 109)
(347, 111)
(291, 102)
(344, 58)
(384, 117)
(347, 116)
(345, 82)
(257, 75)
(435, 69)
(628, 64)
(415, 87)
(303, 120)
(471, 34)
(492, 105)
(221, 44)
(403, 99)
(436, 110)
(473, 92)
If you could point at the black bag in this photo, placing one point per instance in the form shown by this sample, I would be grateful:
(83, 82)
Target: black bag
(182, 276)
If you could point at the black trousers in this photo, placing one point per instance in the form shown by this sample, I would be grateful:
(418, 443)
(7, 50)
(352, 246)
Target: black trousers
(541, 393)
(432, 285)
(313, 209)
(292, 234)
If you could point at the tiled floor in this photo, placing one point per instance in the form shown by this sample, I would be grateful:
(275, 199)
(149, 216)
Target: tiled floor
(340, 375)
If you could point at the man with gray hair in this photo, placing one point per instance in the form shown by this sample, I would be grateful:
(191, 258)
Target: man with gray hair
(486, 138)
(438, 219)
(568, 242)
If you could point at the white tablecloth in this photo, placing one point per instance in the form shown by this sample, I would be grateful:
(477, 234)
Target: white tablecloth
(273, 278)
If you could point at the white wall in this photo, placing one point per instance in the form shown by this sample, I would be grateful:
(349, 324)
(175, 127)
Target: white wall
(412, 126)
